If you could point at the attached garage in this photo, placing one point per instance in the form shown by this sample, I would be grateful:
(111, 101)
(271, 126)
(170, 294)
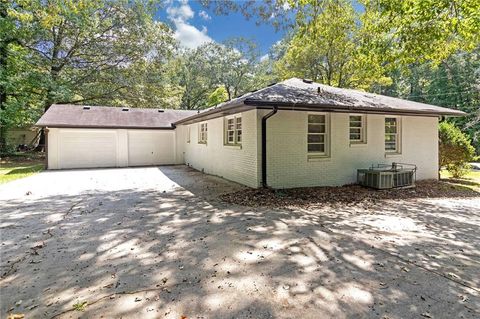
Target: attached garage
(97, 136)
(151, 147)
(78, 148)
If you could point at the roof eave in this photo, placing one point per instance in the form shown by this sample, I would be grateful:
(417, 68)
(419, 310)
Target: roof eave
(53, 125)
(345, 108)
(213, 113)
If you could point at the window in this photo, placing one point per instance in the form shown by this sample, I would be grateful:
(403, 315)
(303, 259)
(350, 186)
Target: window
(391, 135)
(233, 131)
(203, 133)
(188, 134)
(317, 134)
(357, 129)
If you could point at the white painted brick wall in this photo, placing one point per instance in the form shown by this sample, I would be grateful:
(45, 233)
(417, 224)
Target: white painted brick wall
(287, 158)
(289, 166)
(230, 162)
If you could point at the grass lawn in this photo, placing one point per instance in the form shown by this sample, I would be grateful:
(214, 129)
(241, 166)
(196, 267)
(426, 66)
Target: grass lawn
(10, 171)
(471, 180)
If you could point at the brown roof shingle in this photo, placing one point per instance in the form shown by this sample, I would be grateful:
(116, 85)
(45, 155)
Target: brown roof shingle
(67, 115)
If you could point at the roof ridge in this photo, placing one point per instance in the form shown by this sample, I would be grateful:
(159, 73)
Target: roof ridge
(120, 107)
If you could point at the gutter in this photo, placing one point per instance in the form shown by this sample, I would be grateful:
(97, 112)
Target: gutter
(106, 127)
(264, 144)
(289, 106)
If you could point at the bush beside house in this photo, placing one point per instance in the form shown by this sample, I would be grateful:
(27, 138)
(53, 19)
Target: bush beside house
(455, 150)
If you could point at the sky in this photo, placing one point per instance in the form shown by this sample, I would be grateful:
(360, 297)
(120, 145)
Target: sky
(194, 25)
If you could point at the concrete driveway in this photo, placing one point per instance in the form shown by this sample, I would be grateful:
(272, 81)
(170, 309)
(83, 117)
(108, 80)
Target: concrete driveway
(157, 243)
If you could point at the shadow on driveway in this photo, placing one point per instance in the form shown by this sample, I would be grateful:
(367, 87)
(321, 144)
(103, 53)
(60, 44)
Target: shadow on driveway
(153, 253)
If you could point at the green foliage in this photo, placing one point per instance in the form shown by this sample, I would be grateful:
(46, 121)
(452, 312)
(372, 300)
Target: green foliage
(453, 84)
(455, 150)
(233, 66)
(95, 52)
(459, 170)
(427, 30)
(218, 96)
(333, 45)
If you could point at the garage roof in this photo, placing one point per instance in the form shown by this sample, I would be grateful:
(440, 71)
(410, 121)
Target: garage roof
(68, 115)
(300, 94)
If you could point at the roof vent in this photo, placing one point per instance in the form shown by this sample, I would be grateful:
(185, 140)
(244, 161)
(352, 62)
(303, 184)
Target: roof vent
(161, 111)
(309, 81)
(319, 90)
(86, 107)
(125, 109)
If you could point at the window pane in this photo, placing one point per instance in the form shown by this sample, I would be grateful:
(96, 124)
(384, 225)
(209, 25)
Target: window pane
(390, 129)
(316, 138)
(239, 123)
(315, 128)
(355, 124)
(355, 137)
(314, 118)
(316, 148)
(390, 146)
(239, 136)
(355, 118)
(355, 130)
(390, 138)
(390, 121)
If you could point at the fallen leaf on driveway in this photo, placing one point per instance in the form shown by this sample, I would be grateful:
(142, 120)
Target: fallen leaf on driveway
(452, 275)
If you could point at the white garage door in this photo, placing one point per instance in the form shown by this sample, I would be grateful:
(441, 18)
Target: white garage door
(148, 147)
(87, 148)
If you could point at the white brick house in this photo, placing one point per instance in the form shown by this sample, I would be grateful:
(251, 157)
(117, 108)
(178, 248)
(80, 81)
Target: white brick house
(295, 133)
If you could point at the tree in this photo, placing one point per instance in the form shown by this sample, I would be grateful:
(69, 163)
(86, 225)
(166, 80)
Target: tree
(232, 66)
(455, 150)
(417, 30)
(332, 46)
(18, 80)
(83, 51)
(233, 63)
(192, 71)
(218, 96)
(432, 30)
(453, 83)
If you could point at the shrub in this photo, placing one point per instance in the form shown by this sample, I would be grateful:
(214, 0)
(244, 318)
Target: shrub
(458, 171)
(7, 150)
(455, 149)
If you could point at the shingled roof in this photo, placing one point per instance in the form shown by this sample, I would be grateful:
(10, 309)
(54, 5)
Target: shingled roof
(298, 94)
(67, 115)
(291, 94)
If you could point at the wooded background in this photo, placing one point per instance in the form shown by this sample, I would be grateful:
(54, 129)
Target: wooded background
(115, 53)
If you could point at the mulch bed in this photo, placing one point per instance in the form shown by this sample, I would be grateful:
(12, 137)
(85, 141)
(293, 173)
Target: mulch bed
(346, 195)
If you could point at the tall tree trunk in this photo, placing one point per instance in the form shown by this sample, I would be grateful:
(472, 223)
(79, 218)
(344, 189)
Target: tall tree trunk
(55, 69)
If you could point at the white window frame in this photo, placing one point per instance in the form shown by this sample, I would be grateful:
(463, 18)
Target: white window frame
(188, 134)
(325, 134)
(202, 133)
(233, 131)
(397, 134)
(362, 129)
